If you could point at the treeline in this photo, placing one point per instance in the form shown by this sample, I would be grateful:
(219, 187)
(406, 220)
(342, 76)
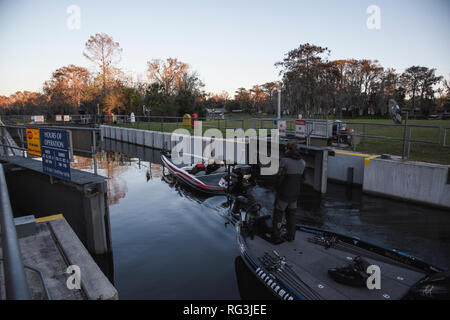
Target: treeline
(172, 88)
(311, 85)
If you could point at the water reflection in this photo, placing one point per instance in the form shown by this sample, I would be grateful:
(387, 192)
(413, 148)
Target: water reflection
(171, 242)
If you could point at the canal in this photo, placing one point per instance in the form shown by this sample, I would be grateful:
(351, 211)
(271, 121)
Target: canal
(170, 243)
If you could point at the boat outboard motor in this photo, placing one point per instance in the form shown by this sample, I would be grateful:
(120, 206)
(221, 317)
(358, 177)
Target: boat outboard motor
(395, 111)
(353, 275)
(435, 286)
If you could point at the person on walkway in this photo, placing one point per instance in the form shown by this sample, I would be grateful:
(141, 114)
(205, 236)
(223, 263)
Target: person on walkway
(289, 178)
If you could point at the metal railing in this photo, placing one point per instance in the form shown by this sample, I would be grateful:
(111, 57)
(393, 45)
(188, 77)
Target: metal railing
(405, 133)
(16, 285)
(72, 119)
(21, 134)
(322, 129)
(444, 144)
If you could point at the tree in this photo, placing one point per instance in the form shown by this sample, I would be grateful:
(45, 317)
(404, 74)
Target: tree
(105, 54)
(171, 74)
(257, 97)
(301, 72)
(67, 86)
(419, 83)
(115, 101)
(243, 97)
(269, 92)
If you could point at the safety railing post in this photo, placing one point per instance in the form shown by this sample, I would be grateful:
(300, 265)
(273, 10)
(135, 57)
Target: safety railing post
(409, 142)
(16, 285)
(404, 136)
(94, 151)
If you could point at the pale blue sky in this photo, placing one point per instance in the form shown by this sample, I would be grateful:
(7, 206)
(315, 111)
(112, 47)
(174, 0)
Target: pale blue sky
(231, 44)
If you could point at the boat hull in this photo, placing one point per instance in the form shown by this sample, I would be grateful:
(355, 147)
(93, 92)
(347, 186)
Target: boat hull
(189, 180)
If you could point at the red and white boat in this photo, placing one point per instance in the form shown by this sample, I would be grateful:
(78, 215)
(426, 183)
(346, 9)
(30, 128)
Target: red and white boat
(203, 176)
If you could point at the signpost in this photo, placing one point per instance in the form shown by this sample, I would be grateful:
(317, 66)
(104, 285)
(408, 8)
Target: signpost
(55, 153)
(300, 128)
(33, 142)
(282, 127)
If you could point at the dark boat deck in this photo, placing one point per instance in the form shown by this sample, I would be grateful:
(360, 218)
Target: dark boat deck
(310, 263)
(211, 179)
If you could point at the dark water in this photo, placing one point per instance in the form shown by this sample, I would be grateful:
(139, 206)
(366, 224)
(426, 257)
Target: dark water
(169, 243)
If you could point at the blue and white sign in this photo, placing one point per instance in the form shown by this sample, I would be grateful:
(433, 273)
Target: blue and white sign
(55, 153)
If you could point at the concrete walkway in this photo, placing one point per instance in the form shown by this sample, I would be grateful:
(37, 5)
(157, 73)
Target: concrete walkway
(51, 250)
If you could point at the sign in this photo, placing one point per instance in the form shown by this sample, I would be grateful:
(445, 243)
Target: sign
(282, 127)
(300, 128)
(67, 118)
(37, 119)
(55, 153)
(33, 142)
(58, 117)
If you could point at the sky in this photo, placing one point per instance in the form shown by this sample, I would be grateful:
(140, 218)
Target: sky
(230, 44)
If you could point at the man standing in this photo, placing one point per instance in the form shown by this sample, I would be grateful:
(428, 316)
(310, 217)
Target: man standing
(288, 190)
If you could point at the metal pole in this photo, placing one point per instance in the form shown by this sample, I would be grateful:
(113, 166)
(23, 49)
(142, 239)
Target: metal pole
(279, 103)
(19, 132)
(364, 134)
(15, 279)
(5, 150)
(409, 142)
(94, 152)
(404, 136)
(72, 156)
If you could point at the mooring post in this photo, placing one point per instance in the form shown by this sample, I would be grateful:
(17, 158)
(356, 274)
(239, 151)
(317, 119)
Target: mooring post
(350, 172)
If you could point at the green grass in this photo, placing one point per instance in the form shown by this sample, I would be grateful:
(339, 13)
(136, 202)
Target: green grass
(434, 153)
(419, 151)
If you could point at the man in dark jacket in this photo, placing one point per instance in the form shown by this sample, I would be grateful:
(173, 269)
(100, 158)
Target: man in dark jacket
(288, 190)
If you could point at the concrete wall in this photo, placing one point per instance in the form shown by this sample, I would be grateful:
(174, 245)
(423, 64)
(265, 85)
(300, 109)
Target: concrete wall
(417, 181)
(148, 138)
(82, 201)
(160, 140)
(348, 167)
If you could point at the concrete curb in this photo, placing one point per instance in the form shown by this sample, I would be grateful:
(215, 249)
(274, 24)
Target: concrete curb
(94, 283)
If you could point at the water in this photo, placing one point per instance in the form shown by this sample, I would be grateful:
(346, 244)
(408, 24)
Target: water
(170, 243)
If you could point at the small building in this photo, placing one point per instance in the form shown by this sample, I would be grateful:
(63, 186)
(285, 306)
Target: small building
(214, 114)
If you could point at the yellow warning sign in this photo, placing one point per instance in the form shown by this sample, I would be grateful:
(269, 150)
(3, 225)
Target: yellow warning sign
(187, 121)
(34, 142)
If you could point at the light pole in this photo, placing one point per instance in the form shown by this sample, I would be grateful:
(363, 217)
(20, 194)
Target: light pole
(279, 103)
